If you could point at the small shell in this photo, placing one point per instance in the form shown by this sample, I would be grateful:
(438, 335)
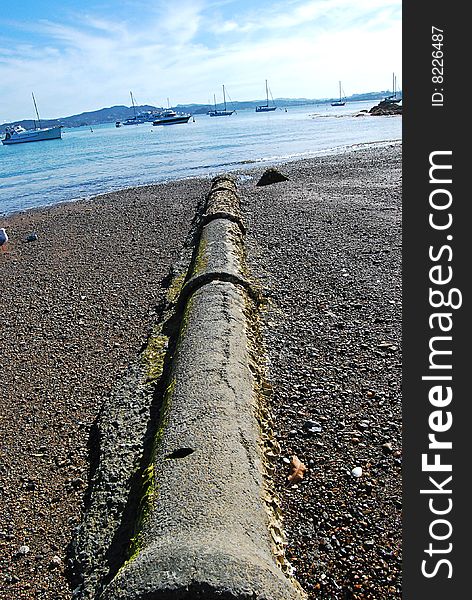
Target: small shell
(356, 472)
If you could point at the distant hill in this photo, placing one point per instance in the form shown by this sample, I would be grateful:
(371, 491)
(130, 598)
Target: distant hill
(121, 112)
(104, 115)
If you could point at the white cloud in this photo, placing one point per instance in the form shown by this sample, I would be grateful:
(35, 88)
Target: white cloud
(318, 14)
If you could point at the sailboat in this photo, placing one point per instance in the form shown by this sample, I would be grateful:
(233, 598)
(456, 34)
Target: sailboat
(17, 134)
(220, 113)
(265, 107)
(393, 98)
(135, 119)
(339, 102)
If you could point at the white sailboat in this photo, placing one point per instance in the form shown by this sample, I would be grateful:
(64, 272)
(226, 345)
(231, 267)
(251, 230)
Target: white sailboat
(16, 134)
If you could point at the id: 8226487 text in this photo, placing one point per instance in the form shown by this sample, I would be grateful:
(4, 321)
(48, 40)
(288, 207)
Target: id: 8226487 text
(437, 66)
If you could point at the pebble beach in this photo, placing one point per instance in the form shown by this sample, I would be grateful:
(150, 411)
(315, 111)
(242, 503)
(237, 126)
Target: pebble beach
(78, 304)
(326, 244)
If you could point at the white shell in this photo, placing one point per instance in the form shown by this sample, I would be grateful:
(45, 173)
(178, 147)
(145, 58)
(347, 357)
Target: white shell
(356, 472)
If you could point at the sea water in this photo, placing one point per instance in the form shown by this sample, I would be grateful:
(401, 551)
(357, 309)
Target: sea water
(88, 161)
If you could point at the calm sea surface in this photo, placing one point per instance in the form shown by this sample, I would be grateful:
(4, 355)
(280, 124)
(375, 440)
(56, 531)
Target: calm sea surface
(86, 163)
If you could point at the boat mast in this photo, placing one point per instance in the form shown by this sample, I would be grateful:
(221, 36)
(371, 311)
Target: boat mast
(132, 102)
(214, 100)
(224, 97)
(267, 94)
(339, 91)
(37, 113)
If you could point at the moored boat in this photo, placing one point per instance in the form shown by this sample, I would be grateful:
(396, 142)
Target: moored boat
(17, 134)
(339, 102)
(265, 107)
(170, 117)
(220, 113)
(393, 98)
(136, 119)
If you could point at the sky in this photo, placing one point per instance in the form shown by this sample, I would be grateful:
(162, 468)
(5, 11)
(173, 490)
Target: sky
(78, 56)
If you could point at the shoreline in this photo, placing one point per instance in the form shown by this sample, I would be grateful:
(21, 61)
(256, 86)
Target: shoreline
(78, 305)
(213, 170)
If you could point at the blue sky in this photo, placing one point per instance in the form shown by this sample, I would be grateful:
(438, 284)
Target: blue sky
(79, 56)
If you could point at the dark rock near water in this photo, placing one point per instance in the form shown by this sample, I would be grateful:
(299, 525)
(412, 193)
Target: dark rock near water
(386, 108)
(271, 176)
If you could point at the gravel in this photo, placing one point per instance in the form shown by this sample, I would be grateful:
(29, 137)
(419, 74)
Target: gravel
(326, 244)
(78, 303)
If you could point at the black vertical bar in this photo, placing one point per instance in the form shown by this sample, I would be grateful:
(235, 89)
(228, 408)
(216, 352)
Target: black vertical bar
(436, 254)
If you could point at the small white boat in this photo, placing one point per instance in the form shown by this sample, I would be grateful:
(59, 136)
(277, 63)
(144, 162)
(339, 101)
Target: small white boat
(18, 134)
(169, 117)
